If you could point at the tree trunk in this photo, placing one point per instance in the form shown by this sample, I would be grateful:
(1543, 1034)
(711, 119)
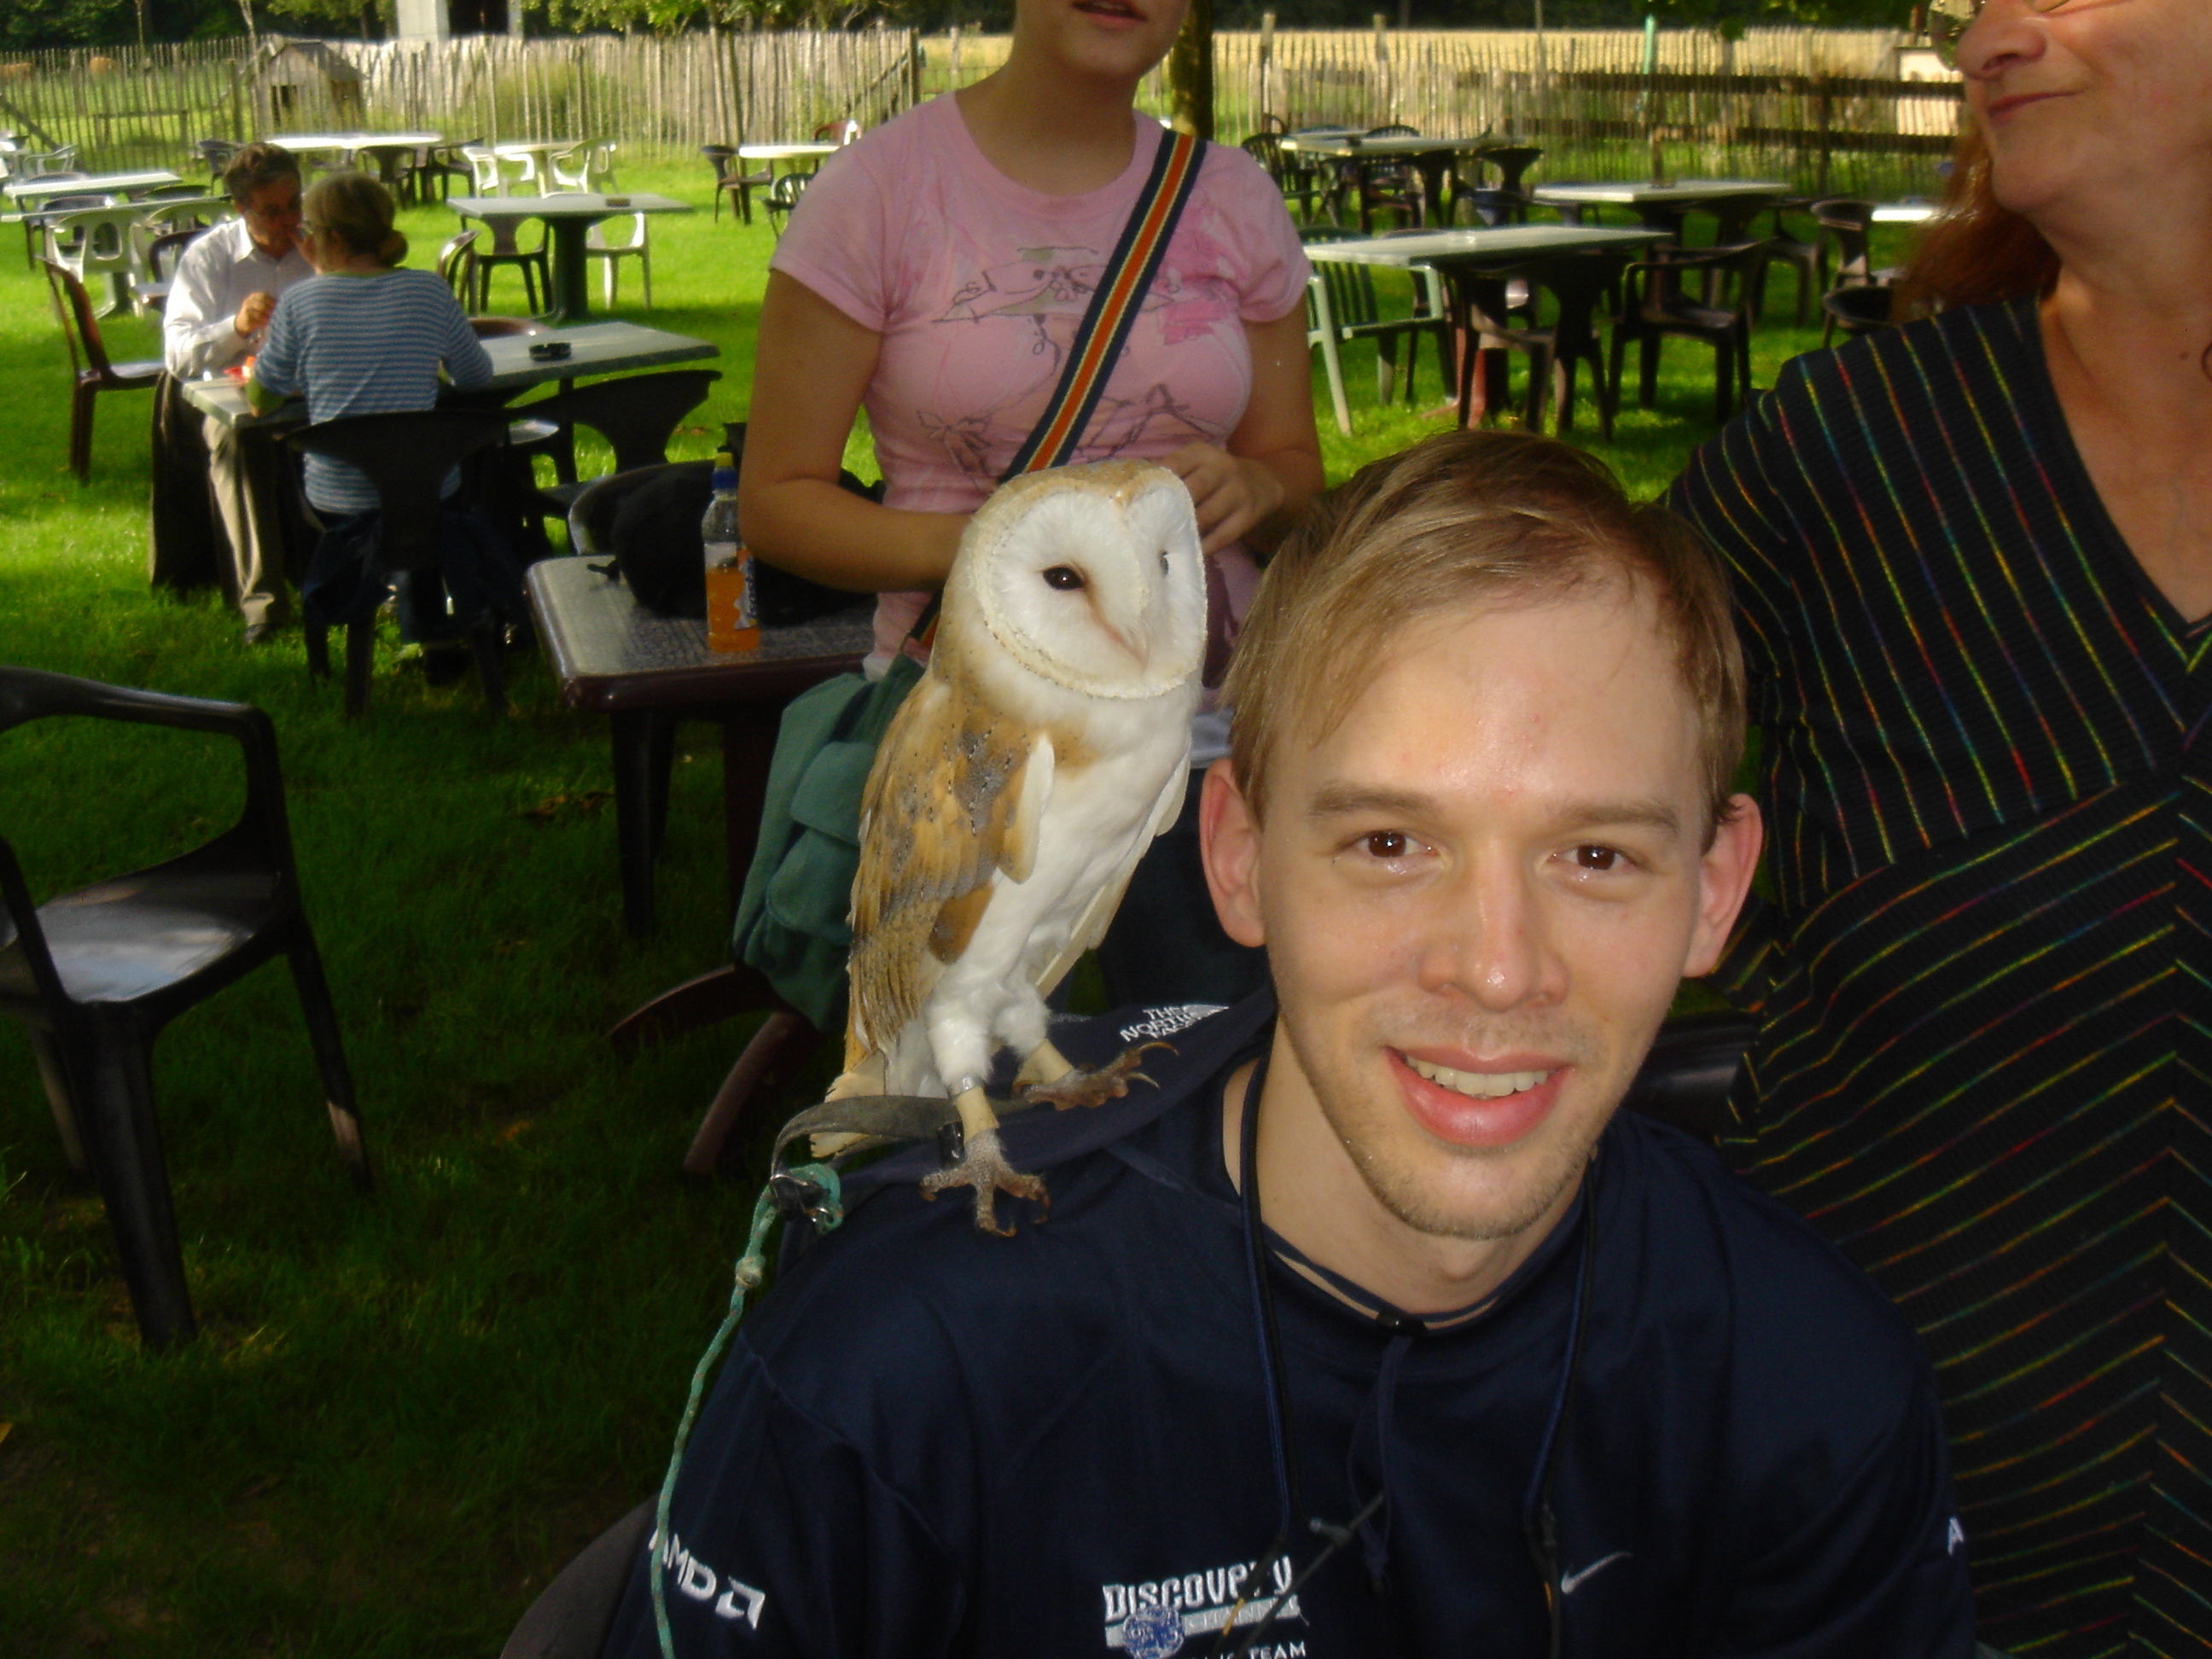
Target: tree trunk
(1190, 72)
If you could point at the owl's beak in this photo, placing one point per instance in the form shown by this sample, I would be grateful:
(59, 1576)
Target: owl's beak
(1136, 648)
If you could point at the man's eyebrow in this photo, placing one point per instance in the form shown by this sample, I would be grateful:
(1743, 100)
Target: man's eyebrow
(1350, 800)
(1346, 799)
(1654, 815)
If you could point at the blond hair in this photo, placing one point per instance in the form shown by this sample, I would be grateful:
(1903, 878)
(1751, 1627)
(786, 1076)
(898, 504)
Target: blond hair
(1467, 517)
(357, 210)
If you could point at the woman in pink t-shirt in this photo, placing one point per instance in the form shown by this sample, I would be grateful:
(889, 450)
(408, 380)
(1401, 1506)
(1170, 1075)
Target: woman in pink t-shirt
(935, 272)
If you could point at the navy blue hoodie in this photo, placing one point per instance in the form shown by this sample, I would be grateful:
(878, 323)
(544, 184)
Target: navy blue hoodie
(930, 1441)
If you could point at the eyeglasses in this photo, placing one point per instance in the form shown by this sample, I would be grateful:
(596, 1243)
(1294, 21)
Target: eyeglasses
(269, 216)
(1949, 19)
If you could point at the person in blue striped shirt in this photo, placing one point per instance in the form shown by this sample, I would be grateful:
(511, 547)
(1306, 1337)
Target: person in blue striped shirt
(364, 336)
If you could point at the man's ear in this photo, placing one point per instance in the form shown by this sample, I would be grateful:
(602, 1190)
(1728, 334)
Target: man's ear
(1724, 880)
(1228, 841)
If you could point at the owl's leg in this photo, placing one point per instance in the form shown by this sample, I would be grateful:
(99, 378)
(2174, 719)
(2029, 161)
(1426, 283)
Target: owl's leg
(1049, 1075)
(983, 1166)
(865, 1079)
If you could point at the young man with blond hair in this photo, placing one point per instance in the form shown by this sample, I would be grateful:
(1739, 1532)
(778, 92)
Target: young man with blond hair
(1371, 1327)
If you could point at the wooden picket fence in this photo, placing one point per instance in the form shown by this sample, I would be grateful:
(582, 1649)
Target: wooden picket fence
(1826, 109)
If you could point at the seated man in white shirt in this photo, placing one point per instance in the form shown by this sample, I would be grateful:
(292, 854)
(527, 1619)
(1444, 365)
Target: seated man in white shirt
(217, 311)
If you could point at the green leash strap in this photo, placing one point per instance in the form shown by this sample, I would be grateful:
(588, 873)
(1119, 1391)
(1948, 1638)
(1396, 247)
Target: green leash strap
(751, 1267)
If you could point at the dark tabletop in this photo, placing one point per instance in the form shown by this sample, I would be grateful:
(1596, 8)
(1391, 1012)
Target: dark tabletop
(610, 653)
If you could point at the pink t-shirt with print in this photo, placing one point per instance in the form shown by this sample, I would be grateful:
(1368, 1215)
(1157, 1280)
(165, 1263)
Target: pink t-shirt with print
(977, 285)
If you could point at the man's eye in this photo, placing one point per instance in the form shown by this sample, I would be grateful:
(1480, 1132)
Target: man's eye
(1598, 858)
(1387, 844)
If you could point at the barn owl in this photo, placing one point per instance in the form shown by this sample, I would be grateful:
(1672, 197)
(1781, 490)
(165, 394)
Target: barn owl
(1031, 765)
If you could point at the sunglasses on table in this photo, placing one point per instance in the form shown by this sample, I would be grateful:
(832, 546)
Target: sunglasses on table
(1948, 20)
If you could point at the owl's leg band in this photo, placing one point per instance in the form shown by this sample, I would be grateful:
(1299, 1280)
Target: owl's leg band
(1046, 1064)
(983, 1165)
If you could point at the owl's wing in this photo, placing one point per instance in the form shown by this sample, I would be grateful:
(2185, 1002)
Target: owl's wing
(958, 790)
(1099, 916)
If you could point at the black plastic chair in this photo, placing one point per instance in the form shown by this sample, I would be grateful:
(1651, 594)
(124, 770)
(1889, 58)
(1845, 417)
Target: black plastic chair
(1660, 306)
(1389, 186)
(636, 414)
(1846, 227)
(572, 1615)
(97, 973)
(444, 163)
(406, 457)
(163, 254)
(1505, 202)
(457, 267)
(783, 196)
(166, 252)
(1577, 286)
(90, 371)
(216, 153)
(1297, 179)
(1865, 309)
(731, 180)
(1785, 247)
(1686, 1078)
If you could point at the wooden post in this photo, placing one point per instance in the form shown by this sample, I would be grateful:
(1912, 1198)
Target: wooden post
(1190, 71)
(1266, 101)
(1386, 93)
(1824, 95)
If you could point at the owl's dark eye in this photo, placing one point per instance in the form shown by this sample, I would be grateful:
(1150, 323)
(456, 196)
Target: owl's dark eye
(1065, 578)
(1164, 558)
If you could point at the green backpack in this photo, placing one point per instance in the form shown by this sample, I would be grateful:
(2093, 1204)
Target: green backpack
(794, 921)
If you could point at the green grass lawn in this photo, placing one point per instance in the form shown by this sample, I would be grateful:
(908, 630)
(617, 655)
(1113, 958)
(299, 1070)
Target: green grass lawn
(404, 1411)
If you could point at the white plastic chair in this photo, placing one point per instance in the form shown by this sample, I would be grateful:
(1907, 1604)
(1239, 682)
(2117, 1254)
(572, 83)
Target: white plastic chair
(611, 253)
(493, 174)
(94, 244)
(588, 168)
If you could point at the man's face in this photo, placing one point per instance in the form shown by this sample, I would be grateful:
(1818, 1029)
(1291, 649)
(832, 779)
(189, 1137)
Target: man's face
(1479, 894)
(272, 216)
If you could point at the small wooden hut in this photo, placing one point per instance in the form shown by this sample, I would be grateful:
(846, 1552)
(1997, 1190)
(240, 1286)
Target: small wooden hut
(303, 83)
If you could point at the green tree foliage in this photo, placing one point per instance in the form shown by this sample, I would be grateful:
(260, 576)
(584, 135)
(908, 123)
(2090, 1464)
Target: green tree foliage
(1732, 17)
(37, 24)
(664, 16)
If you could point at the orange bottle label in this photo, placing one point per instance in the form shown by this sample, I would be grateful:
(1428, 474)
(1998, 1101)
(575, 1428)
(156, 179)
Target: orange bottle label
(733, 620)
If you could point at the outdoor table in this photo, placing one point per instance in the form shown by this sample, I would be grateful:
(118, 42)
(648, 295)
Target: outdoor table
(1906, 213)
(99, 183)
(1432, 158)
(384, 147)
(774, 153)
(569, 218)
(1469, 259)
(147, 208)
(594, 349)
(647, 671)
(1661, 207)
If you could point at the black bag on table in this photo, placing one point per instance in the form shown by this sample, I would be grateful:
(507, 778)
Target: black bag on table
(658, 549)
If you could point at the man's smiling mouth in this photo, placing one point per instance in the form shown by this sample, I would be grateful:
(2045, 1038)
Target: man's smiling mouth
(1478, 1085)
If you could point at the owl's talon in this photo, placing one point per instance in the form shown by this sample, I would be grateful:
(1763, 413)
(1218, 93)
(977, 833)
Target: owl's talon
(1095, 1088)
(984, 1167)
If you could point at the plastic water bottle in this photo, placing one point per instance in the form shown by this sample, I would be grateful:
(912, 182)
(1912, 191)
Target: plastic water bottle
(732, 618)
